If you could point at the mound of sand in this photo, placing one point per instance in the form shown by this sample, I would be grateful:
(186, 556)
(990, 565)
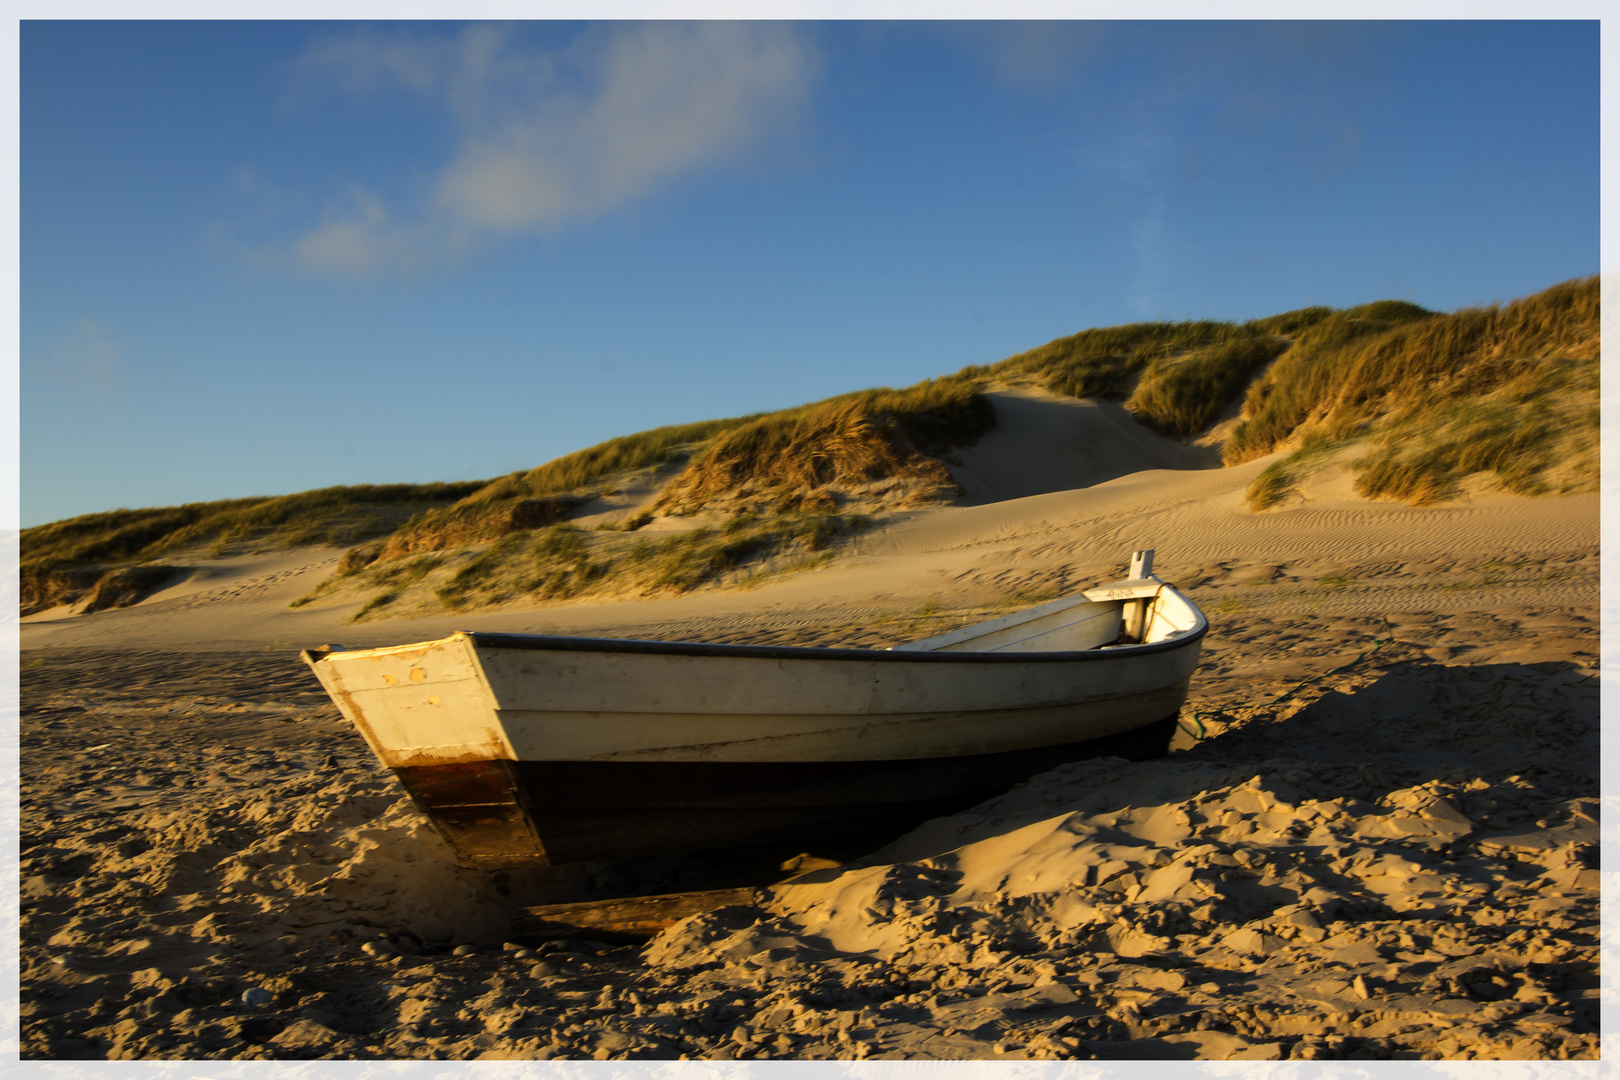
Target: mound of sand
(1046, 442)
(1393, 868)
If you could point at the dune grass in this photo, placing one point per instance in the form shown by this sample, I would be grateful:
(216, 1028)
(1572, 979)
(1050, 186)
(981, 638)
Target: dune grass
(786, 456)
(1308, 378)
(533, 498)
(536, 497)
(783, 457)
(481, 569)
(396, 578)
(1536, 434)
(1281, 479)
(442, 528)
(687, 560)
(1105, 362)
(335, 515)
(62, 562)
(1019, 599)
(802, 566)
(625, 454)
(1289, 324)
(1389, 360)
(1181, 396)
(564, 562)
(861, 436)
(1176, 377)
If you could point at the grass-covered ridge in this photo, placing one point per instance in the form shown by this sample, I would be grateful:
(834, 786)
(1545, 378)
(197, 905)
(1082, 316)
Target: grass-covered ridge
(537, 497)
(1175, 377)
(564, 562)
(1418, 401)
(1181, 396)
(1536, 433)
(1106, 362)
(1508, 390)
(627, 453)
(776, 482)
(1391, 360)
(782, 459)
(779, 462)
(62, 561)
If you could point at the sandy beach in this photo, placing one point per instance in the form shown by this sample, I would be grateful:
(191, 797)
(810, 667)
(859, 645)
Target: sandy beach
(1375, 837)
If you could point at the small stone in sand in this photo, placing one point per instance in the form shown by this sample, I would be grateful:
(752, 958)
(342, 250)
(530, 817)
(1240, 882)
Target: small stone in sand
(257, 997)
(464, 950)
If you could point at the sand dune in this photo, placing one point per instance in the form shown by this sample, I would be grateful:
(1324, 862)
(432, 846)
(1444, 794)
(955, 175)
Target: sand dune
(958, 556)
(1047, 442)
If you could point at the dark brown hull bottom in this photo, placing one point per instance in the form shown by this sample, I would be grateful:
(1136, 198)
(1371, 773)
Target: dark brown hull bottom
(539, 813)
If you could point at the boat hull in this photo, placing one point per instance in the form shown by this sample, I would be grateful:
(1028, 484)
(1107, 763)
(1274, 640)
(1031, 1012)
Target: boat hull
(533, 813)
(531, 750)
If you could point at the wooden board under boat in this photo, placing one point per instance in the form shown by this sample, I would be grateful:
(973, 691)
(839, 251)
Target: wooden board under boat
(529, 750)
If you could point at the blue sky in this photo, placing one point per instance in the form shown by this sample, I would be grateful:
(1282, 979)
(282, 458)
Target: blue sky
(263, 257)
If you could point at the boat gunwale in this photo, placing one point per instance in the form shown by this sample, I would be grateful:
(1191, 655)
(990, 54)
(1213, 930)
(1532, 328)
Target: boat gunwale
(562, 643)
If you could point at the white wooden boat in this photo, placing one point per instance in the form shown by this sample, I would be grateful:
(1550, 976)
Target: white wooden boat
(533, 750)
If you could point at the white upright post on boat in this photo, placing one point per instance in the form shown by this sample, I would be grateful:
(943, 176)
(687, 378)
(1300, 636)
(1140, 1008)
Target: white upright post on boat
(1136, 610)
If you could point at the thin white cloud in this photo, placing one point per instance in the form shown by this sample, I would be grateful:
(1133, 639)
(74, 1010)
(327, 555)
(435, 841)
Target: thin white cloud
(1141, 163)
(84, 359)
(354, 241)
(1030, 53)
(366, 63)
(358, 236)
(551, 139)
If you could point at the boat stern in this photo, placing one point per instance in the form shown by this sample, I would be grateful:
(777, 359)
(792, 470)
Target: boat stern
(426, 711)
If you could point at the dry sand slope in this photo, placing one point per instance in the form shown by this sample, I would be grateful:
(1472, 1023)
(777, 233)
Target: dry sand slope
(1394, 861)
(1076, 443)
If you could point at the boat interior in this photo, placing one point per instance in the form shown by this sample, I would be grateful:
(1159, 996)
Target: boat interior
(1137, 610)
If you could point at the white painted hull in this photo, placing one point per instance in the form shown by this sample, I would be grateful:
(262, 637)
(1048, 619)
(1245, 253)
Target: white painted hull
(491, 727)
